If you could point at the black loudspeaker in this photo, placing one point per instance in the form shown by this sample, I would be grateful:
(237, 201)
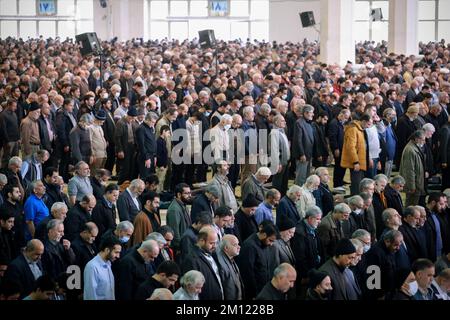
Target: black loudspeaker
(307, 19)
(88, 43)
(207, 38)
(376, 14)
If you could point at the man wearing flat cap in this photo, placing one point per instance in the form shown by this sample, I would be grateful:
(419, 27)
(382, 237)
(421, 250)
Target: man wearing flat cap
(29, 131)
(335, 266)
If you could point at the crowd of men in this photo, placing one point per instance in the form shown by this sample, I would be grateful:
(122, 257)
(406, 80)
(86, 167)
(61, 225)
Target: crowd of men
(162, 115)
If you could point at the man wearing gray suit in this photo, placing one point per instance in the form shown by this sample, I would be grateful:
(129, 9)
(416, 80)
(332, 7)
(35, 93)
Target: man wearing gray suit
(233, 287)
(303, 144)
(280, 154)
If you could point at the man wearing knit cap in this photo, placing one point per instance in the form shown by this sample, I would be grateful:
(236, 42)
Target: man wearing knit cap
(281, 249)
(319, 286)
(29, 131)
(335, 267)
(245, 218)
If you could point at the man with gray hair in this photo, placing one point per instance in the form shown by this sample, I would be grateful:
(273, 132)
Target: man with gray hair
(324, 197)
(146, 145)
(307, 198)
(250, 139)
(287, 207)
(330, 229)
(191, 285)
(80, 184)
(283, 279)
(303, 144)
(57, 211)
(379, 201)
(255, 184)
(280, 154)
(219, 137)
(233, 286)
(32, 167)
(35, 209)
(134, 268)
(128, 203)
(412, 168)
(356, 219)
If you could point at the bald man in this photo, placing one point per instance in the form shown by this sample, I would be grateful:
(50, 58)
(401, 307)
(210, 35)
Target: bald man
(283, 279)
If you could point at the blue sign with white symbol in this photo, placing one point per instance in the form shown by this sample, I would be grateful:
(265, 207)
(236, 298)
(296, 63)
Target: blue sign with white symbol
(218, 8)
(46, 7)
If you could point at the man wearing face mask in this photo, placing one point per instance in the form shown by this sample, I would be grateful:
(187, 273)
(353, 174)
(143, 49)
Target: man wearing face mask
(319, 286)
(412, 168)
(423, 270)
(404, 129)
(356, 219)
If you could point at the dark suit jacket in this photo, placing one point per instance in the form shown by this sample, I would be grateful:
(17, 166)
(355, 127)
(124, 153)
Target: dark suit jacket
(18, 271)
(303, 140)
(56, 259)
(109, 127)
(121, 135)
(231, 277)
(415, 248)
(84, 252)
(63, 128)
(329, 234)
(307, 249)
(197, 261)
(324, 198)
(146, 143)
(245, 224)
(201, 203)
(338, 280)
(74, 223)
(104, 217)
(97, 189)
(43, 133)
(287, 208)
(393, 199)
(126, 207)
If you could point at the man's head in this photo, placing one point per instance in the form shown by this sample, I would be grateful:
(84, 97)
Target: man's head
(14, 164)
(423, 270)
(391, 218)
(223, 216)
(50, 174)
(82, 169)
(230, 245)
(367, 185)
(436, 202)
(287, 228)
(397, 183)
(6, 220)
(323, 174)
(308, 112)
(89, 232)
(192, 282)
(112, 193)
(12, 193)
(443, 279)
(356, 204)
(393, 240)
(294, 193)
(341, 212)
(124, 231)
(212, 192)
(380, 182)
(167, 273)
(423, 216)
(55, 230)
(320, 282)
(110, 248)
(34, 250)
(284, 277)
(88, 203)
(207, 239)
(345, 253)
(313, 216)
(411, 216)
(267, 233)
(137, 186)
(149, 250)
(263, 174)
(273, 197)
(44, 289)
(38, 188)
(249, 205)
(151, 201)
(183, 193)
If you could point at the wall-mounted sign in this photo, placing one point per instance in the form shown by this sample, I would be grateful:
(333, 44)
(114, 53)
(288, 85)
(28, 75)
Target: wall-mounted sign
(219, 8)
(46, 7)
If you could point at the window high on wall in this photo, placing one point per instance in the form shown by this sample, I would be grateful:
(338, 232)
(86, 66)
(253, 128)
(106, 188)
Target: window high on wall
(434, 20)
(182, 19)
(364, 27)
(22, 18)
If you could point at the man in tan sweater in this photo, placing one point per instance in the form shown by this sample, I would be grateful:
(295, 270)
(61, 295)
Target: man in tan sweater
(98, 142)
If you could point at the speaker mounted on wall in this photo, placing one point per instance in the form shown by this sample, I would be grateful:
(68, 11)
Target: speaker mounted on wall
(307, 19)
(89, 43)
(207, 38)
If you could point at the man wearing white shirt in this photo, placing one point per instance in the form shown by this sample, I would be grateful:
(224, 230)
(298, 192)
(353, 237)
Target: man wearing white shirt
(441, 285)
(98, 277)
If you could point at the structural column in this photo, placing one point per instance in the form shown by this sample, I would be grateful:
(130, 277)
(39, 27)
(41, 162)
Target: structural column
(403, 27)
(336, 31)
(123, 19)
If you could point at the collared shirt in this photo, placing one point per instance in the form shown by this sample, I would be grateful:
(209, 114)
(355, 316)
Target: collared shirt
(135, 199)
(79, 186)
(35, 210)
(37, 272)
(214, 266)
(439, 294)
(264, 212)
(98, 280)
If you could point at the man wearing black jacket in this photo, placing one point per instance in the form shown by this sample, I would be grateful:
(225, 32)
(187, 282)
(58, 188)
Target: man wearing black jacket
(64, 122)
(9, 132)
(52, 190)
(336, 135)
(392, 193)
(205, 201)
(146, 145)
(105, 213)
(78, 215)
(109, 127)
(83, 246)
